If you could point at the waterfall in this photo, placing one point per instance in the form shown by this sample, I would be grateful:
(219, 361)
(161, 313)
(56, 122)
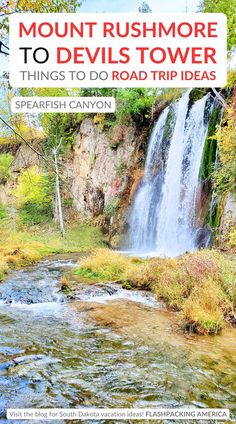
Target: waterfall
(162, 219)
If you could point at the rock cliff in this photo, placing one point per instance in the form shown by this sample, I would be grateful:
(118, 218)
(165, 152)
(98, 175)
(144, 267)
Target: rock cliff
(104, 172)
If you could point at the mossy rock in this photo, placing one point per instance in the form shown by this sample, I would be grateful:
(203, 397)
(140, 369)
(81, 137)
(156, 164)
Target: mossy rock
(195, 95)
(210, 147)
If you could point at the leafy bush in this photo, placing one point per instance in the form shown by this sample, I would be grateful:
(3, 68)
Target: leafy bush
(6, 160)
(134, 104)
(227, 7)
(33, 196)
(33, 214)
(202, 310)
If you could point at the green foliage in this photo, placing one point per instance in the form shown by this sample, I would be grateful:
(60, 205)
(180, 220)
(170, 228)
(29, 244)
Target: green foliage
(79, 238)
(34, 214)
(3, 212)
(169, 124)
(112, 206)
(225, 175)
(196, 94)
(228, 7)
(168, 95)
(121, 168)
(33, 195)
(131, 104)
(8, 7)
(20, 123)
(210, 146)
(6, 160)
(134, 104)
(215, 212)
(59, 126)
(56, 126)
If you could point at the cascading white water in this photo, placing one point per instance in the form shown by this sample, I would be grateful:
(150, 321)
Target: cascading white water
(143, 218)
(162, 219)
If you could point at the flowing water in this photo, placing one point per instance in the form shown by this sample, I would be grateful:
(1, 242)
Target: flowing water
(108, 347)
(163, 215)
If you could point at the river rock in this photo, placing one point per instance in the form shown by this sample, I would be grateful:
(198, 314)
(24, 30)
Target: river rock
(27, 358)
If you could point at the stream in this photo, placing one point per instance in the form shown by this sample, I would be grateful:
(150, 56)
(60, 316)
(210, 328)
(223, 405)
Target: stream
(108, 347)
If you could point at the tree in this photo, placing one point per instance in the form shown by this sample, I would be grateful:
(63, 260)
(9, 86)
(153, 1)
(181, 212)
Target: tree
(8, 7)
(21, 123)
(144, 8)
(59, 212)
(228, 7)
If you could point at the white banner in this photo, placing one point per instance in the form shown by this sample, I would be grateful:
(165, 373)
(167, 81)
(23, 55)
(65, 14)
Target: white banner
(119, 414)
(118, 50)
(63, 104)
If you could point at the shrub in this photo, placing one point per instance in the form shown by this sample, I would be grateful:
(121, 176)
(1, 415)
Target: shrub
(6, 160)
(33, 213)
(133, 104)
(33, 196)
(202, 310)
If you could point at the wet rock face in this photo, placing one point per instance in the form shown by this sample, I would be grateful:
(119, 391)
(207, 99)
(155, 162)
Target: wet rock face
(203, 237)
(102, 172)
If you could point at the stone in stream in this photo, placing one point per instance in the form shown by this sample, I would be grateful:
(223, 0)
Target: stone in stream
(86, 292)
(28, 358)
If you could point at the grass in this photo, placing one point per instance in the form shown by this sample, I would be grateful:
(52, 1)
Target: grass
(25, 247)
(104, 265)
(200, 285)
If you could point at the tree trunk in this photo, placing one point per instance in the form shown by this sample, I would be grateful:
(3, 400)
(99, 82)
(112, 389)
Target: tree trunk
(58, 196)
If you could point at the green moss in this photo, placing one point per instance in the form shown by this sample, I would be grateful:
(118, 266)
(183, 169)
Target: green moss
(196, 94)
(215, 212)
(210, 147)
(169, 125)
